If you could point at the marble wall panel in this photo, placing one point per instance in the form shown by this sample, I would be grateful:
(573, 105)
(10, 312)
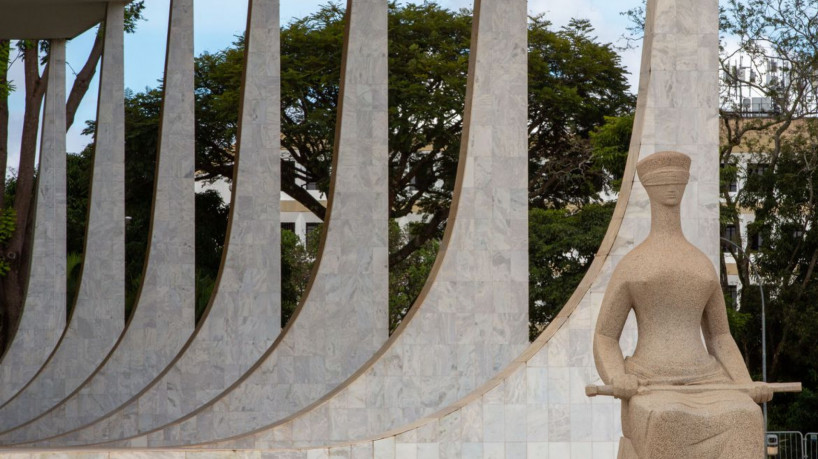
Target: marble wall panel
(43, 318)
(98, 315)
(420, 396)
(343, 319)
(244, 316)
(472, 317)
(536, 407)
(163, 316)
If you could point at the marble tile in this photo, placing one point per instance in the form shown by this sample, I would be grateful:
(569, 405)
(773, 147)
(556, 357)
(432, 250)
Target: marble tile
(245, 313)
(97, 319)
(42, 319)
(148, 345)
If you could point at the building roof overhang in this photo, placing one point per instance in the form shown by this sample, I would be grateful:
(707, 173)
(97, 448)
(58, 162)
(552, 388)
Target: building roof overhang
(47, 19)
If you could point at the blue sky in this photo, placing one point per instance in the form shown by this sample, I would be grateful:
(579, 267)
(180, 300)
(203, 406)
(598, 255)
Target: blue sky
(217, 25)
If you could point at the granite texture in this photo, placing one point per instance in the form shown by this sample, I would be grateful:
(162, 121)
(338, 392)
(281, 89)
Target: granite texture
(163, 316)
(98, 315)
(676, 295)
(244, 316)
(43, 318)
(471, 318)
(342, 320)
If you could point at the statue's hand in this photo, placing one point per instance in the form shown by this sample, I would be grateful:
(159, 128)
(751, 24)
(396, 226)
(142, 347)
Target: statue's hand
(761, 392)
(625, 386)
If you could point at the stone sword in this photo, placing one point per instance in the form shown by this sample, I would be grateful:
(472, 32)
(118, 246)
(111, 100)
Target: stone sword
(608, 390)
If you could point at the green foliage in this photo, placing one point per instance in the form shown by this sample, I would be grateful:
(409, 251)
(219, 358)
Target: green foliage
(783, 202)
(78, 184)
(407, 278)
(73, 272)
(133, 14)
(8, 222)
(296, 266)
(562, 244)
(610, 144)
(205, 283)
(6, 86)
(574, 83)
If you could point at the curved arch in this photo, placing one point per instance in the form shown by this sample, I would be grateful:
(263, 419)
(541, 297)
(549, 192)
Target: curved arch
(342, 319)
(536, 406)
(163, 316)
(97, 318)
(42, 320)
(472, 315)
(243, 316)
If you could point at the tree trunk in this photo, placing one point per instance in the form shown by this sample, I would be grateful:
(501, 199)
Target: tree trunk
(4, 117)
(83, 80)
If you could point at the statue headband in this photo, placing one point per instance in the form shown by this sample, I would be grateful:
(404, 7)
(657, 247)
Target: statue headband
(666, 177)
(664, 168)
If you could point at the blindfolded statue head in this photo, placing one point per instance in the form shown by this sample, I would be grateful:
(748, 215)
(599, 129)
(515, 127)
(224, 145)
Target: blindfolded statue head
(664, 175)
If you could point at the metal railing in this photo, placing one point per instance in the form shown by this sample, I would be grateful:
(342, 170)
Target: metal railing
(811, 446)
(792, 445)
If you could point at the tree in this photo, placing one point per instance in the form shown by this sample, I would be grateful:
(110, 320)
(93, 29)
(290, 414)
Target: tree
(578, 92)
(407, 278)
(32, 53)
(575, 82)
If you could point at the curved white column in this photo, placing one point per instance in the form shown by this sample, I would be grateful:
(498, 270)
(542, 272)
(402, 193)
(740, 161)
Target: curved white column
(98, 315)
(163, 317)
(43, 317)
(343, 320)
(244, 316)
(472, 316)
(537, 407)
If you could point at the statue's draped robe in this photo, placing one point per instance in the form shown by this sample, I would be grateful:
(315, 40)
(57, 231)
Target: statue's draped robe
(706, 425)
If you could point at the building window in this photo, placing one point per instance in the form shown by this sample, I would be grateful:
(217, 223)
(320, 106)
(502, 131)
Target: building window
(757, 169)
(311, 186)
(730, 233)
(288, 226)
(313, 232)
(755, 242)
(732, 187)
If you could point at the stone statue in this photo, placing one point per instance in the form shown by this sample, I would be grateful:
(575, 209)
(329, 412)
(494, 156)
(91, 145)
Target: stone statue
(682, 396)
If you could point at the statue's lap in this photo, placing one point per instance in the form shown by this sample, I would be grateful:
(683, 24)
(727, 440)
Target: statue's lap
(715, 424)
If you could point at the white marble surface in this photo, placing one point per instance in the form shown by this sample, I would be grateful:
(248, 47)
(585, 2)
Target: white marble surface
(538, 409)
(244, 316)
(342, 320)
(472, 317)
(43, 318)
(163, 317)
(447, 384)
(98, 316)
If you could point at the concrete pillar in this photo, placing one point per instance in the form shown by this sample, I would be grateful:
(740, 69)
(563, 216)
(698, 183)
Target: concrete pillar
(98, 315)
(244, 316)
(43, 318)
(472, 317)
(342, 320)
(163, 318)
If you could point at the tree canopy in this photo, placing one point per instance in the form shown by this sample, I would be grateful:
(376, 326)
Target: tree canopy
(577, 85)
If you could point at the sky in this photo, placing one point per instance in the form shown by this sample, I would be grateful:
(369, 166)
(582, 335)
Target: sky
(217, 25)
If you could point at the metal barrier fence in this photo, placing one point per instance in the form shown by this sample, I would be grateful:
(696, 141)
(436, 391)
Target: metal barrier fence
(811, 446)
(785, 445)
(792, 445)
